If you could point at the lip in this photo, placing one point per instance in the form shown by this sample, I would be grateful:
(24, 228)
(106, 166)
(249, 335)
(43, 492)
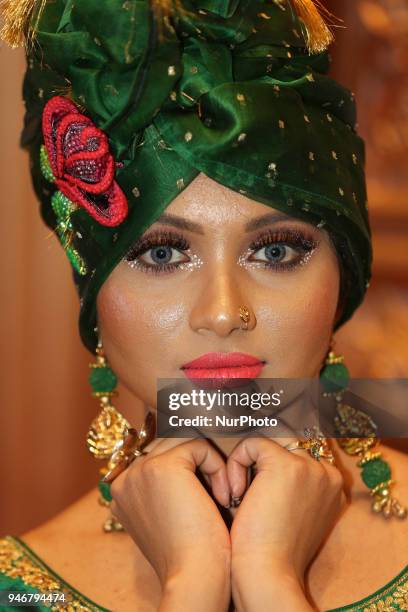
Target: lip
(226, 366)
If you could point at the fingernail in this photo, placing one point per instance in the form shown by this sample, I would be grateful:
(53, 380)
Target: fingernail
(228, 504)
(235, 501)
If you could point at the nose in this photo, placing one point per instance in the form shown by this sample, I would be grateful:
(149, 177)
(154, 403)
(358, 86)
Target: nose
(223, 306)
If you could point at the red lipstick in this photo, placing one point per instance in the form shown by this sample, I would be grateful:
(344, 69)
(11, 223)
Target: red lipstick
(223, 365)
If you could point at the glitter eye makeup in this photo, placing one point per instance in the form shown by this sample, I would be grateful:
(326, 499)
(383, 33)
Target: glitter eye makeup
(161, 252)
(164, 251)
(280, 250)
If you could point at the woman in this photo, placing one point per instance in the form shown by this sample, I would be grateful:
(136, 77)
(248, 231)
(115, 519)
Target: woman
(209, 192)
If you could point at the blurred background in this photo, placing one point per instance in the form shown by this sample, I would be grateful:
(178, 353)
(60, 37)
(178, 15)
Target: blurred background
(45, 400)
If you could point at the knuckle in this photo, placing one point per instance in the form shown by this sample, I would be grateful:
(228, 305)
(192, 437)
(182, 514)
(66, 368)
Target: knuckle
(150, 467)
(337, 478)
(201, 443)
(338, 486)
(317, 472)
(298, 467)
(311, 469)
(321, 470)
(265, 444)
(324, 477)
(198, 443)
(187, 450)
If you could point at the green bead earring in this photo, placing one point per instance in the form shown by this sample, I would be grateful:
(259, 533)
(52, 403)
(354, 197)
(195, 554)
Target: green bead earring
(108, 427)
(334, 376)
(349, 423)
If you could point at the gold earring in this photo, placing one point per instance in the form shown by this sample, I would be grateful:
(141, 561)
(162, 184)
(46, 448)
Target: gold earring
(244, 315)
(107, 428)
(350, 421)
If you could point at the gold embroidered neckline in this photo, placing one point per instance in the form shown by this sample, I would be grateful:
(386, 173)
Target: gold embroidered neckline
(391, 597)
(18, 561)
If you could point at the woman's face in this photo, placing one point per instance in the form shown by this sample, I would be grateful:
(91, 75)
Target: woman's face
(213, 251)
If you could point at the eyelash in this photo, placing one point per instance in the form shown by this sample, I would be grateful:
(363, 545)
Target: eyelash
(162, 238)
(299, 240)
(302, 242)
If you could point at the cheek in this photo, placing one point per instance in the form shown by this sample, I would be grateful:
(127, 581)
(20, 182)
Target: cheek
(301, 325)
(126, 313)
(138, 329)
(316, 304)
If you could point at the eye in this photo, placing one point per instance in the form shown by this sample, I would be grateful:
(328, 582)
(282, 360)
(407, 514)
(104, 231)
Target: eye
(277, 252)
(162, 254)
(281, 250)
(158, 252)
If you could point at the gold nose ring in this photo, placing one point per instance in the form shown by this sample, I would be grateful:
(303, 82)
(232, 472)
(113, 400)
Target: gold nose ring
(244, 316)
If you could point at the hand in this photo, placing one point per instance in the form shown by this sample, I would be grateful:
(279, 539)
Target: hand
(173, 520)
(287, 511)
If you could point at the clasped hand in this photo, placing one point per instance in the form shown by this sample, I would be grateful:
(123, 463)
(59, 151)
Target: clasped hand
(285, 514)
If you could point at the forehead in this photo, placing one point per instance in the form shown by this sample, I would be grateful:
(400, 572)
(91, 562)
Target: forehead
(209, 203)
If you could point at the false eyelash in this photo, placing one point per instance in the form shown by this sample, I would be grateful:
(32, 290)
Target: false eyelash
(290, 237)
(299, 240)
(157, 239)
(157, 269)
(304, 244)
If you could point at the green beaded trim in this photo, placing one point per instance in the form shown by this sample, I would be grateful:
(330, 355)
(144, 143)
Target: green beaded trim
(45, 165)
(63, 208)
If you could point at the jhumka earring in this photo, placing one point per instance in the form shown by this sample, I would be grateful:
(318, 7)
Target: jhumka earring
(349, 421)
(108, 427)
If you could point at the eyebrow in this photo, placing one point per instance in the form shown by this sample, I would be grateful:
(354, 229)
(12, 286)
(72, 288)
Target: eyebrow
(181, 223)
(191, 226)
(267, 219)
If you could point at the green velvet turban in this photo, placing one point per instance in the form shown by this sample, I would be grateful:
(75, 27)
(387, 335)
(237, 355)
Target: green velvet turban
(118, 122)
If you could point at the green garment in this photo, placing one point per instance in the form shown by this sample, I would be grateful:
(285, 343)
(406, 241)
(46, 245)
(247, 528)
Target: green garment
(22, 571)
(18, 559)
(230, 91)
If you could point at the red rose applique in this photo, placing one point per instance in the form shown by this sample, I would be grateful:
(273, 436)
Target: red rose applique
(80, 163)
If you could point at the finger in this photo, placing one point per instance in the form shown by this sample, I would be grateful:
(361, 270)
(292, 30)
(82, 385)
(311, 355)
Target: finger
(326, 457)
(266, 453)
(290, 443)
(217, 481)
(247, 452)
(161, 445)
(198, 453)
(287, 435)
(167, 444)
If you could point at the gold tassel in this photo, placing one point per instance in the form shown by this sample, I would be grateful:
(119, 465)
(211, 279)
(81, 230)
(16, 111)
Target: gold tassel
(169, 7)
(17, 14)
(164, 9)
(317, 33)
